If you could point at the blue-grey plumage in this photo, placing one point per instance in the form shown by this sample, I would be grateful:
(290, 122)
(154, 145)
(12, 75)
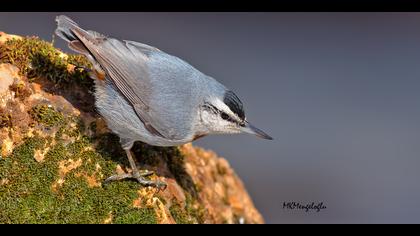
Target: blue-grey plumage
(147, 95)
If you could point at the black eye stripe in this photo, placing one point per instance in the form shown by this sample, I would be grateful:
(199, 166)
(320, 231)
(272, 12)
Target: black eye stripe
(215, 110)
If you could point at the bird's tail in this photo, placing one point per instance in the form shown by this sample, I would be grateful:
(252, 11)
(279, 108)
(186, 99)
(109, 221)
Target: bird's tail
(65, 27)
(68, 30)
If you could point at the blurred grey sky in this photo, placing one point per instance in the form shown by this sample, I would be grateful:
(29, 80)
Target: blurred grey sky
(339, 92)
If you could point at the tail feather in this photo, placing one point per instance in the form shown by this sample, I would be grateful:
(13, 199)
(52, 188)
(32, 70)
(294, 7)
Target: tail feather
(68, 30)
(65, 25)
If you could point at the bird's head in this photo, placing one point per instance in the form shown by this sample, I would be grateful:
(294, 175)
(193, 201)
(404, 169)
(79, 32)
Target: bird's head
(225, 115)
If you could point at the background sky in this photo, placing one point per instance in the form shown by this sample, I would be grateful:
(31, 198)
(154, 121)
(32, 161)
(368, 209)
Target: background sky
(339, 92)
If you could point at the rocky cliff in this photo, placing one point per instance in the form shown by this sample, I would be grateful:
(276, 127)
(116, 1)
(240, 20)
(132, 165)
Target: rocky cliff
(56, 151)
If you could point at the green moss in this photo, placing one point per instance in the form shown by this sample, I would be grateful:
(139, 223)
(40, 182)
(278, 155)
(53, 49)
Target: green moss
(190, 214)
(146, 216)
(73, 131)
(28, 195)
(179, 214)
(21, 90)
(19, 197)
(36, 58)
(46, 115)
(195, 210)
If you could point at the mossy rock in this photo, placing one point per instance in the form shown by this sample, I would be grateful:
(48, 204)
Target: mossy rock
(56, 152)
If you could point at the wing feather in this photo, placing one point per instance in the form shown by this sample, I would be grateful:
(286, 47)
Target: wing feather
(126, 67)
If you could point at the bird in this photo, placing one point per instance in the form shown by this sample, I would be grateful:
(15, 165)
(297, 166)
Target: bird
(147, 95)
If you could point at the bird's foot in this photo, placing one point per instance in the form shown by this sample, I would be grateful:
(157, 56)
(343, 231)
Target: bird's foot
(82, 68)
(139, 177)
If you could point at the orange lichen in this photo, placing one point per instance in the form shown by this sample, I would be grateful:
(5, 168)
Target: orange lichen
(64, 167)
(148, 199)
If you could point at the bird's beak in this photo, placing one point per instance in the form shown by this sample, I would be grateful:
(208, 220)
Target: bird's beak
(250, 129)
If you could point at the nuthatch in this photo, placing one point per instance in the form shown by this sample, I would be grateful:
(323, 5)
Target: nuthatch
(147, 95)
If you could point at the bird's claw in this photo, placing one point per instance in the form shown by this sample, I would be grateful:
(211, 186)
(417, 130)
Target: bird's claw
(160, 186)
(139, 176)
(82, 68)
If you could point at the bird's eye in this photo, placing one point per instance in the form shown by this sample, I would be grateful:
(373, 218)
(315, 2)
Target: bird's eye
(225, 116)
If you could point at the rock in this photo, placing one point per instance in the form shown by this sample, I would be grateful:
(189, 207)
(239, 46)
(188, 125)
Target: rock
(7, 75)
(4, 37)
(56, 152)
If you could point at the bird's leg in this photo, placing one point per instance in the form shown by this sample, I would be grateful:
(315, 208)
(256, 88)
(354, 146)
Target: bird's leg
(140, 177)
(137, 175)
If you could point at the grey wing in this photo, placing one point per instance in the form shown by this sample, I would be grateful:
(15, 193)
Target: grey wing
(144, 48)
(125, 63)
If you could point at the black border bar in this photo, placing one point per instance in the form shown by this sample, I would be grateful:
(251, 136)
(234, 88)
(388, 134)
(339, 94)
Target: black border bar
(211, 5)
